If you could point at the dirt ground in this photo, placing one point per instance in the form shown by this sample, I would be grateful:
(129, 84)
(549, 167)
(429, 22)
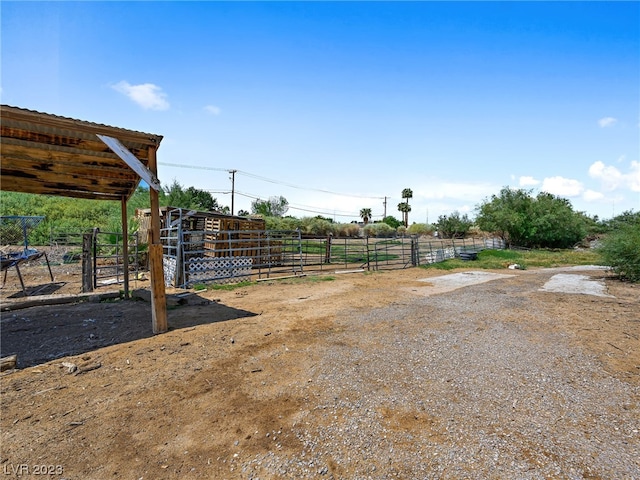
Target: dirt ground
(98, 396)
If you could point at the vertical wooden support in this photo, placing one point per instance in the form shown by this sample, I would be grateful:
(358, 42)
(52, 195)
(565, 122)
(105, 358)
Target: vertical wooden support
(125, 246)
(87, 262)
(158, 296)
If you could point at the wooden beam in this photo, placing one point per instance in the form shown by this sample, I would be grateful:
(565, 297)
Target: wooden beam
(158, 294)
(134, 164)
(17, 180)
(125, 246)
(39, 121)
(47, 142)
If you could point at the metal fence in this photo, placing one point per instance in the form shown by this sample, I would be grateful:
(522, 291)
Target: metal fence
(207, 256)
(107, 254)
(199, 257)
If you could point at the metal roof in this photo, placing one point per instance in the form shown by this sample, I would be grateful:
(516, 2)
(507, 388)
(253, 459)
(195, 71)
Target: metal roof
(53, 155)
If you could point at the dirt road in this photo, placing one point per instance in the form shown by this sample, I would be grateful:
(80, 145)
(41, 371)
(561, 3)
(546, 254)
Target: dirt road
(382, 375)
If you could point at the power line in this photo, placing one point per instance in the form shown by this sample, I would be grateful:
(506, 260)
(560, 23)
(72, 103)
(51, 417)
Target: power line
(265, 179)
(293, 206)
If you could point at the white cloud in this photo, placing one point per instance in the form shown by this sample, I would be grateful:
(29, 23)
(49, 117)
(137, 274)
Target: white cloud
(527, 181)
(213, 110)
(147, 95)
(592, 196)
(612, 178)
(607, 122)
(564, 187)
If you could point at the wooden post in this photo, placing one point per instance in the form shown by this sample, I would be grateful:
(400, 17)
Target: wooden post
(87, 263)
(158, 294)
(125, 246)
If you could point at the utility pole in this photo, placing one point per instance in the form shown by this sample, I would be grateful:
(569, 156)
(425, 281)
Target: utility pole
(233, 184)
(385, 207)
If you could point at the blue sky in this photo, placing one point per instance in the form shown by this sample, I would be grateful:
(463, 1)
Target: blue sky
(337, 105)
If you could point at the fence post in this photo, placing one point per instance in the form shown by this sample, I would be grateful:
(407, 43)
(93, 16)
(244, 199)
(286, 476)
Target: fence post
(327, 252)
(414, 252)
(87, 264)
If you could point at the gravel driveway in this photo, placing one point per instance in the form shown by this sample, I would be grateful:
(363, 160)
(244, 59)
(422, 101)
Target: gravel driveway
(452, 386)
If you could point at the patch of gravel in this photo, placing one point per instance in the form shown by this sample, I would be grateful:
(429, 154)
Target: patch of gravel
(448, 387)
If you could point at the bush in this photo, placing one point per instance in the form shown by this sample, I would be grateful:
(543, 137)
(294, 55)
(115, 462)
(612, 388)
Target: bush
(348, 230)
(420, 229)
(544, 221)
(317, 226)
(379, 230)
(393, 222)
(620, 250)
(454, 225)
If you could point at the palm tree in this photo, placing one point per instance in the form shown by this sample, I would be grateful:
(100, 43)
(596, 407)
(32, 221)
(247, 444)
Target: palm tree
(365, 214)
(407, 193)
(405, 208)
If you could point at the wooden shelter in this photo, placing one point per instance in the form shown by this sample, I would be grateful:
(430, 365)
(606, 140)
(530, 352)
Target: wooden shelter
(47, 154)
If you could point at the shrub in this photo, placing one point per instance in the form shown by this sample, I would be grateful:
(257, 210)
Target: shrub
(420, 229)
(620, 249)
(393, 222)
(379, 230)
(454, 225)
(348, 230)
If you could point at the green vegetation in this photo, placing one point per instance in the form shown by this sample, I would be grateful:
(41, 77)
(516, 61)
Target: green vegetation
(379, 230)
(620, 248)
(227, 286)
(544, 221)
(393, 222)
(274, 207)
(404, 207)
(500, 259)
(454, 225)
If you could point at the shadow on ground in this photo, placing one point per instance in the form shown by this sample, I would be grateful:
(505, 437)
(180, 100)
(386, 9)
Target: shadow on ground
(44, 333)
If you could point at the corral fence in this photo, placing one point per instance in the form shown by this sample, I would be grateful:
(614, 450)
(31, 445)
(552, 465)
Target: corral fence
(230, 256)
(102, 255)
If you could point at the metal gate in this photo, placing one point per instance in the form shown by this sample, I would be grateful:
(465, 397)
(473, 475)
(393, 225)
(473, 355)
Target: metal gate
(103, 259)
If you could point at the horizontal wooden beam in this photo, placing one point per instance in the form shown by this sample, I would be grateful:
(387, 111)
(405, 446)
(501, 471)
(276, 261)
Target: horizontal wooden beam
(84, 147)
(58, 166)
(20, 181)
(38, 121)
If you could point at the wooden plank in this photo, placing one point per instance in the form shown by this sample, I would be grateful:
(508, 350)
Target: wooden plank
(16, 181)
(87, 262)
(47, 141)
(136, 165)
(125, 246)
(62, 167)
(53, 153)
(158, 295)
(8, 363)
(48, 180)
(9, 306)
(14, 115)
(16, 186)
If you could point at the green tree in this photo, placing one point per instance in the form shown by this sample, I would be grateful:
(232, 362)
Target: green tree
(620, 249)
(365, 214)
(454, 225)
(175, 195)
(404, 208)
(407, 193)
(545, 221)
(393, 222)
(274, 207)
